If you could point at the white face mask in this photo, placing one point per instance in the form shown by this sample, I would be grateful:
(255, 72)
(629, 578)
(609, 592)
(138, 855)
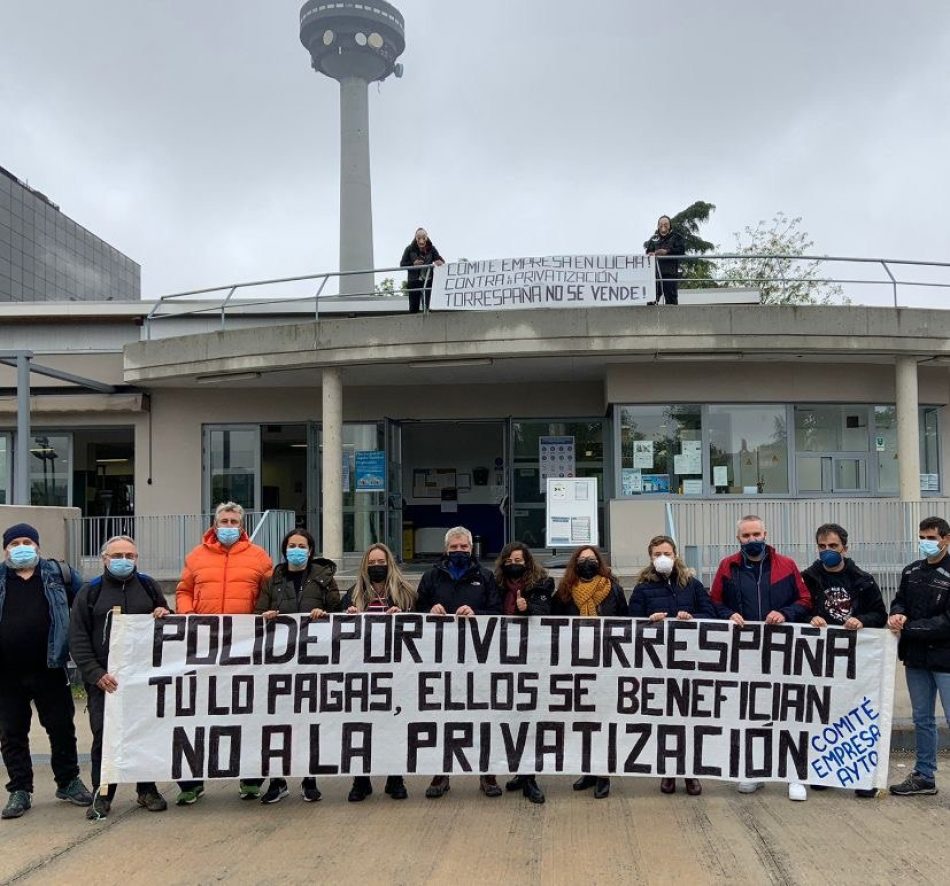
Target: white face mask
(663, 564)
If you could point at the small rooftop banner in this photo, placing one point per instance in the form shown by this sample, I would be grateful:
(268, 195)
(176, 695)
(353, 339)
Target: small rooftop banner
(552, 281)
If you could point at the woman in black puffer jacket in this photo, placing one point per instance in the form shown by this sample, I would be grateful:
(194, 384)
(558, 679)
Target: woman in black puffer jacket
(667, 588)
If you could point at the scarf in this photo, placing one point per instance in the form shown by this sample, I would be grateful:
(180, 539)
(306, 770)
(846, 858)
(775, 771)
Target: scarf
(588, 595)
(511, 596)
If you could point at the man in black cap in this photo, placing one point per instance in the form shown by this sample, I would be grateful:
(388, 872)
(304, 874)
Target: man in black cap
(35, 596)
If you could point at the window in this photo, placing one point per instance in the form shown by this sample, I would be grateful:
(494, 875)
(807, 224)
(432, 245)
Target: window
(233, 465)
(50, 470)
(929, 451)
(661, 450)
(527, 499)
(748, 450)
(5, 461)
(831, 443)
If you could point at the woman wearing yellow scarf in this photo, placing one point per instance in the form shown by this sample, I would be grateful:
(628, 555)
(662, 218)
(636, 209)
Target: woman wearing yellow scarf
(588, 589)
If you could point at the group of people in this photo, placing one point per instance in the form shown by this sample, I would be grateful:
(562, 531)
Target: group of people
(46, 615)
(666, 245)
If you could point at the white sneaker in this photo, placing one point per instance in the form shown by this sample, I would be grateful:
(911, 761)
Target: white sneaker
(748, 787)
(797, 792)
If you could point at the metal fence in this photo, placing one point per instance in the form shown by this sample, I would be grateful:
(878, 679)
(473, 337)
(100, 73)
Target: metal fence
(851, 279)
(882, 532)
(164, 540)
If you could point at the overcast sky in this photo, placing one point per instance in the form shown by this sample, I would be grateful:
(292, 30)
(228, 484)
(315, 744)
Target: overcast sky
(195, 137)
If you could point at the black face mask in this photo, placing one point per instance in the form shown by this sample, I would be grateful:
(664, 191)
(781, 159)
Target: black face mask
(587, 569)
(377, 574)
(514, 571)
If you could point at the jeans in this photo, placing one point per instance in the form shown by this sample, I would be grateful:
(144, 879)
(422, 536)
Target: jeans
(924, 685)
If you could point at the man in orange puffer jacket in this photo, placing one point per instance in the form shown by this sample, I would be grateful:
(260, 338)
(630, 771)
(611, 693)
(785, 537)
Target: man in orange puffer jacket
(222, 576)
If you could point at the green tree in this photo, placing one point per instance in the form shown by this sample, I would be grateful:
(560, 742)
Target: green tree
(769, 261)
(696, 274)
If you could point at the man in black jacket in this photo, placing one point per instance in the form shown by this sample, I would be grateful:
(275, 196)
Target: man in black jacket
(35, 596)
(842, 594)
(90, 624)
(458, 585)
(665, 243)
(920, 615)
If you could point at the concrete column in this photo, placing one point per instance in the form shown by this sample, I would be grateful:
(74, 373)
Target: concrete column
(908, 429)
(21, 461)
(331, 465)
(356, 194)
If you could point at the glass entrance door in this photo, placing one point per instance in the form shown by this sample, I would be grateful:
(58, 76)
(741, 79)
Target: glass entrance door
(401, 548)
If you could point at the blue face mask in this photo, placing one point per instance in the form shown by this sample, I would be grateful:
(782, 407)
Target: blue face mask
(830, 558)
(297, 556)
(754, 548)
(23, 556)
(227, 535)
(928, 548)
(458, 563)
(120, 568)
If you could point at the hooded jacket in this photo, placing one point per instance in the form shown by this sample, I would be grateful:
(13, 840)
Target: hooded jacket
(475, 588)
(754, 589)
(924, 597)
(222, 581)
(317, 591)
(838, 596)
(90, 622)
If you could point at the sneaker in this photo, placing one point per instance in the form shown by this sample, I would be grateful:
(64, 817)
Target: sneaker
(276, 791)
(438, 787)
(915, 783)
(153, 801)
(18, 803)
(309, 791)
(190, 797)
(250, 791)
(748, 787)
(76, 793)
(99, 809)
(797, 792)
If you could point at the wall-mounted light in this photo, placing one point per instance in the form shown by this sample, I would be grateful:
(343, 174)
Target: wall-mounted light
(234, 376)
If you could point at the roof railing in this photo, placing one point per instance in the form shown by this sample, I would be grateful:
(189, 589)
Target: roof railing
(896, 274)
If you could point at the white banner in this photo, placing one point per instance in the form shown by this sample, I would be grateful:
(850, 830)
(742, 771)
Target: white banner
(554, 281)
(229, 696)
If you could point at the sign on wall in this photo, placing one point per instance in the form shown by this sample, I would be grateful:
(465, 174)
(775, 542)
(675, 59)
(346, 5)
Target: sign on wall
(556, 458)
(553, 281)
(370, 470)
(234, 696)
(571, 512)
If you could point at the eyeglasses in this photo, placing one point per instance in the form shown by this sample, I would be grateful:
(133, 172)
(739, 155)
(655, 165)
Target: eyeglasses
(122, 556)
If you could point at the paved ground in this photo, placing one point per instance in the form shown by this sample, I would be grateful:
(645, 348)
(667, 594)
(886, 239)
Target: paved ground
(636, 835)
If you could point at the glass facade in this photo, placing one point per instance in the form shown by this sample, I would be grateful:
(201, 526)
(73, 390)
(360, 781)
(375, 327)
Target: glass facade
(46, 256)
(50, 460)
(747, 450)
(527, 500)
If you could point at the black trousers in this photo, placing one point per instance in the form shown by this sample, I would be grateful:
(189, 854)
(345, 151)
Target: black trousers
(96, 705)
(415, 296)
(49, 690)
(667, 290)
